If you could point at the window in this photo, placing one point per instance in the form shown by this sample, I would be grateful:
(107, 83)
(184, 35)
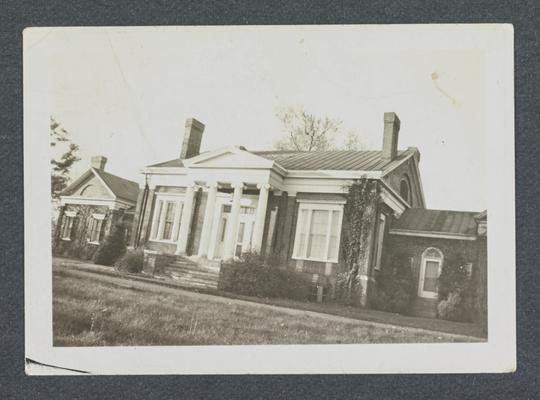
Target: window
(169, 220)
(379, 242)
(67, 225)
(404, 189)
(318, 232)
(166, 219)
(94, 228)
(430, 270)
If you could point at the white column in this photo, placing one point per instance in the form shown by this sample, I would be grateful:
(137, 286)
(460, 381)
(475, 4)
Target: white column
(208, 219)
(176, 223)
(155, 220)
(232, 223)
(185, 222)
(260, 217)
(161, 222)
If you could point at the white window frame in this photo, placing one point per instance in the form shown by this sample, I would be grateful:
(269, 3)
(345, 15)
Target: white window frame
(70, 215)
(99, 218)
(310, 207)
(425, 260)
(158, 219)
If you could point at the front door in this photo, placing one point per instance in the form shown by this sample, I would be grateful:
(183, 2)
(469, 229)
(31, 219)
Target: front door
(244, 234)
(429, 274)
(244, 231)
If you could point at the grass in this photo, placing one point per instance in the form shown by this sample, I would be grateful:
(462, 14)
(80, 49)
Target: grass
(94, 310)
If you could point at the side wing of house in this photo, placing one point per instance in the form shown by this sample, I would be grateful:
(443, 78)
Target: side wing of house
(88, 210)
(405, 180)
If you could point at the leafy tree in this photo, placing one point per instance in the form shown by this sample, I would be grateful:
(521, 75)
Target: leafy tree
(62, 163)
(113, 247)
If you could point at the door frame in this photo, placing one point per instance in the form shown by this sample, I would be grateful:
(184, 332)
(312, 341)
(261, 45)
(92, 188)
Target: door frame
(421, 292)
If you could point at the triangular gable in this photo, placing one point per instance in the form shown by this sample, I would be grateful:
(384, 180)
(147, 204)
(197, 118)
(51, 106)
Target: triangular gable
(231, 157)
(89, 185)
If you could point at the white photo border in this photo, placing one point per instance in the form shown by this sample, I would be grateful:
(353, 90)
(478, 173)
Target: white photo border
(498, 354)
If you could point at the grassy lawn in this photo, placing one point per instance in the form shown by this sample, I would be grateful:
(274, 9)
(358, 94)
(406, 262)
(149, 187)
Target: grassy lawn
(94, 310)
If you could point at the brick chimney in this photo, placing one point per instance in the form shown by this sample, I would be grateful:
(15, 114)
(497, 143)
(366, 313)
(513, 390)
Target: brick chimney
(391, 134)
(98, 162)
(191, 145)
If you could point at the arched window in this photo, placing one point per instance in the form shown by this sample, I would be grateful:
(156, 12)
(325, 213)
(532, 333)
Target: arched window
(405, 189)
(87, 189)
(430, 269)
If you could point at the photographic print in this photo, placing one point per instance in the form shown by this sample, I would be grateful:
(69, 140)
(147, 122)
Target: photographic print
(264, 190)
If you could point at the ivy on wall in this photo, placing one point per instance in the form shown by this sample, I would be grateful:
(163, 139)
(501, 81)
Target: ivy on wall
(358, 217)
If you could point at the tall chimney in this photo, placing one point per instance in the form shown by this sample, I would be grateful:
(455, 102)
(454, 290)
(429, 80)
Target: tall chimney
(98, 162)
(191, 145)
(391, 134)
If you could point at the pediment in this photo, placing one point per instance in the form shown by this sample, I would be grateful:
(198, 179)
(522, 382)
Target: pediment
(89, 185)
(228, 158)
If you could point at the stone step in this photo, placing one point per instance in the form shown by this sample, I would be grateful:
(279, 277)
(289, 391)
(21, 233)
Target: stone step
(196, 268)
(195, 278)
(195, 283)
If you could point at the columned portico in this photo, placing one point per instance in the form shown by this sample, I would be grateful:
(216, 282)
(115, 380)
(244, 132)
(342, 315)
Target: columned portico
(208, 219)
(185, 221)
(260, 216)
(232, 225)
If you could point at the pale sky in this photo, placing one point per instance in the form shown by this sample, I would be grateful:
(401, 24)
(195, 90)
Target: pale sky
(126, 93)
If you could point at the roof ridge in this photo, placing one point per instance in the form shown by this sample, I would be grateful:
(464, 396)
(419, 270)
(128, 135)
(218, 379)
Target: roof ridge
(116, 176)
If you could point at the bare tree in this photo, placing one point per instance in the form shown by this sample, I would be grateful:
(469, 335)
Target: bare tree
(308, 132)
(352, 142)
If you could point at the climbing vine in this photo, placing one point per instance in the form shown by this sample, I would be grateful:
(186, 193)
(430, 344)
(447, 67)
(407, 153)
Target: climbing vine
(358, 214)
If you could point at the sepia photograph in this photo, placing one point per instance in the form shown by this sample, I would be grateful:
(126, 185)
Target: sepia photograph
(253, 187)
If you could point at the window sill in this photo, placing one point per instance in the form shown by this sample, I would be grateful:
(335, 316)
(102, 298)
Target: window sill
(162, 241)
(66, 239)
(92, 242)
(315, 260)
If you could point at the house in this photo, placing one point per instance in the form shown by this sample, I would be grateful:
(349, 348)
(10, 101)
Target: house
(90, 207)
(214, 206)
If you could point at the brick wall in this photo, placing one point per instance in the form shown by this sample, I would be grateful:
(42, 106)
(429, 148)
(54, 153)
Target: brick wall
(78, 246)
(412, 247)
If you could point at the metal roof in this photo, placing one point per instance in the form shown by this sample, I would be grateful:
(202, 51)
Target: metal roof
(437, 221)
(339, 160)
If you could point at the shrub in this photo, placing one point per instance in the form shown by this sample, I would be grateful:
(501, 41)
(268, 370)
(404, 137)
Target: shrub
(348, 287)
(449, 308)
(252, 276)
(456, 292)
(395, 286)
(132, 261)
(113, 247)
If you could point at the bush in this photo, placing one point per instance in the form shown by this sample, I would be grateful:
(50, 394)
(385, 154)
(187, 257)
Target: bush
(456, 292)
(113, 248)
(252, 276)
(395, 286)
(132, 261)
(449, 308)
(348, 287)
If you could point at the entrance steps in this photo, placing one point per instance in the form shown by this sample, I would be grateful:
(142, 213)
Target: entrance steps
(191, 274)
